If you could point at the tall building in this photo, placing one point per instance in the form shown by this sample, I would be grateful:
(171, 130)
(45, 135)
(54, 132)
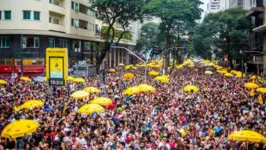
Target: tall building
(245, 4)
(28, 27)
(216, 5)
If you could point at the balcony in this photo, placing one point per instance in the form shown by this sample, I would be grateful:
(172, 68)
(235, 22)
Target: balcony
(255, 11)
(56, 27)
(57, 6)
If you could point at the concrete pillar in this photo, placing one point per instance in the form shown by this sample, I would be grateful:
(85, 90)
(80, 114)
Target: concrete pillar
(264, 56)
(122, 55)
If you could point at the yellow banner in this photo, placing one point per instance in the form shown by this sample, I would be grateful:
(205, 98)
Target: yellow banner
(56, 63)
(27, 62)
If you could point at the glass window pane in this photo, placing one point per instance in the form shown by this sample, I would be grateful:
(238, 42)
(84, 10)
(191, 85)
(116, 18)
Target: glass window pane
(29, 42)
(72, 4)
(7, 15)
(0, 41)
(26, 15)
(67, 45)
(36, 15)
(72, 21)
(36, 42)
(51, 42)
(0, 15)
(7, 42)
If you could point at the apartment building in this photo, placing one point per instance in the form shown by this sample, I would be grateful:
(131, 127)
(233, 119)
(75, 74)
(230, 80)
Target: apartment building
(217, 5)
(257, 38)
(28, 27)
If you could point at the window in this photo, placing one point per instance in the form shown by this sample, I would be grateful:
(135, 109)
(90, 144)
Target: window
(31, 42)
(26, 15)
(72, 5)
(72, 22)
(36, 15)
(51, 42)
(8, 15)
(0, 15)
(91, 13)
(91, 27)
(53, 20)
(4, 42)
(76, 6)
(64, 43)
(77, 46)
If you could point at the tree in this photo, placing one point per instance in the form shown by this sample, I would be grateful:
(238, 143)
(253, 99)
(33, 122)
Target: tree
(172, 12)
(115, 11)
(221, 33)
(148, 36)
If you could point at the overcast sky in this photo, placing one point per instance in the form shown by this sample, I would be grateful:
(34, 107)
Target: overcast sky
(204, 7)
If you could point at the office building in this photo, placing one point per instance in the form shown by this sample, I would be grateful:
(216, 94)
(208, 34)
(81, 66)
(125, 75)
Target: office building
(28, 27)
(217, 5)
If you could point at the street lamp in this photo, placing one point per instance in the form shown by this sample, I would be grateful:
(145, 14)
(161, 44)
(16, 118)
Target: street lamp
(242, 62)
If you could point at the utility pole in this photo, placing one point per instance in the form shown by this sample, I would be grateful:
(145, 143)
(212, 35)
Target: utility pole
(242, 62)
(21, 55)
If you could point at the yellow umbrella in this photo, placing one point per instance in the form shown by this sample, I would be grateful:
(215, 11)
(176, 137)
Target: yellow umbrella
(78, 80)
(91, 108)
(163, 79)
(70, 78)
(191, 66)
(233, 71)
(179, 67)
(31, 104)
(146, 88)
(228, 75)
(153, 73)
(25, 79)
(128, 76)
(131, 91)
(247, 135)
(80, 94)
(3, 82)
(190, 88)
(239, 74)
(255, 77)
(111, 70)
(121, 65)
(208, 72)
(251, 85)
(45, 79)
(19, 128)
(104, 101)
(261, 90)
(91, 90)
(135, 68)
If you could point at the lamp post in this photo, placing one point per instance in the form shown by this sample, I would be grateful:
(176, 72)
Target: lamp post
(21, 55)
(242, 62)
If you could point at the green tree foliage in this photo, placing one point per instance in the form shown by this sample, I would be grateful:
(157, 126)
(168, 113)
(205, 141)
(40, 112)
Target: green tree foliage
(221, 33)
(172, 12)
(148, 36)
(115, 11)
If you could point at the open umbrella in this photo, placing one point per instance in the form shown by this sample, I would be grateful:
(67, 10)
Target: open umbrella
(39, 79)
(25, 79)
(31, 104)
(70, 78)
(111, 70)
(79, 80)
(163, 79)
(146, 88)
(228, 75)
(80, 94)
(131, 91)
(104, 101)
(128, 76)
(121, 65)
(251, 85)
(20, 128)
(247, 135)
(208, 72)
(191, 88)
(153, 73)
(261, 90)
(90, 109)
(3, 81)
(91, 90)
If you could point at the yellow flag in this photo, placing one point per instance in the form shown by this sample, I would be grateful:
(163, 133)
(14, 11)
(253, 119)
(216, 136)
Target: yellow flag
(260, 100)
(252, 92)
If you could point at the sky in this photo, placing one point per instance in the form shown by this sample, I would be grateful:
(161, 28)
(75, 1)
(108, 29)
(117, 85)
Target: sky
(204, 7)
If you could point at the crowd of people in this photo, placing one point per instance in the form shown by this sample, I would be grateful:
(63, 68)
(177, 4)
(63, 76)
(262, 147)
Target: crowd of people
(168, 119)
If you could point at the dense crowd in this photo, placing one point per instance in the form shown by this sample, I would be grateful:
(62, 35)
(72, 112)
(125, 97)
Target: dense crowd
(168, 119)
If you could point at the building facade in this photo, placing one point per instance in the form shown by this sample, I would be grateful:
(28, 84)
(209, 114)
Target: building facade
(256, 13)
(28, 27)
(217, 5)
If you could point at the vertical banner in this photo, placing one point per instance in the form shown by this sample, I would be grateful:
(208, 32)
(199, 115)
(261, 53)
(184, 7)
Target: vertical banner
(56, 66)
